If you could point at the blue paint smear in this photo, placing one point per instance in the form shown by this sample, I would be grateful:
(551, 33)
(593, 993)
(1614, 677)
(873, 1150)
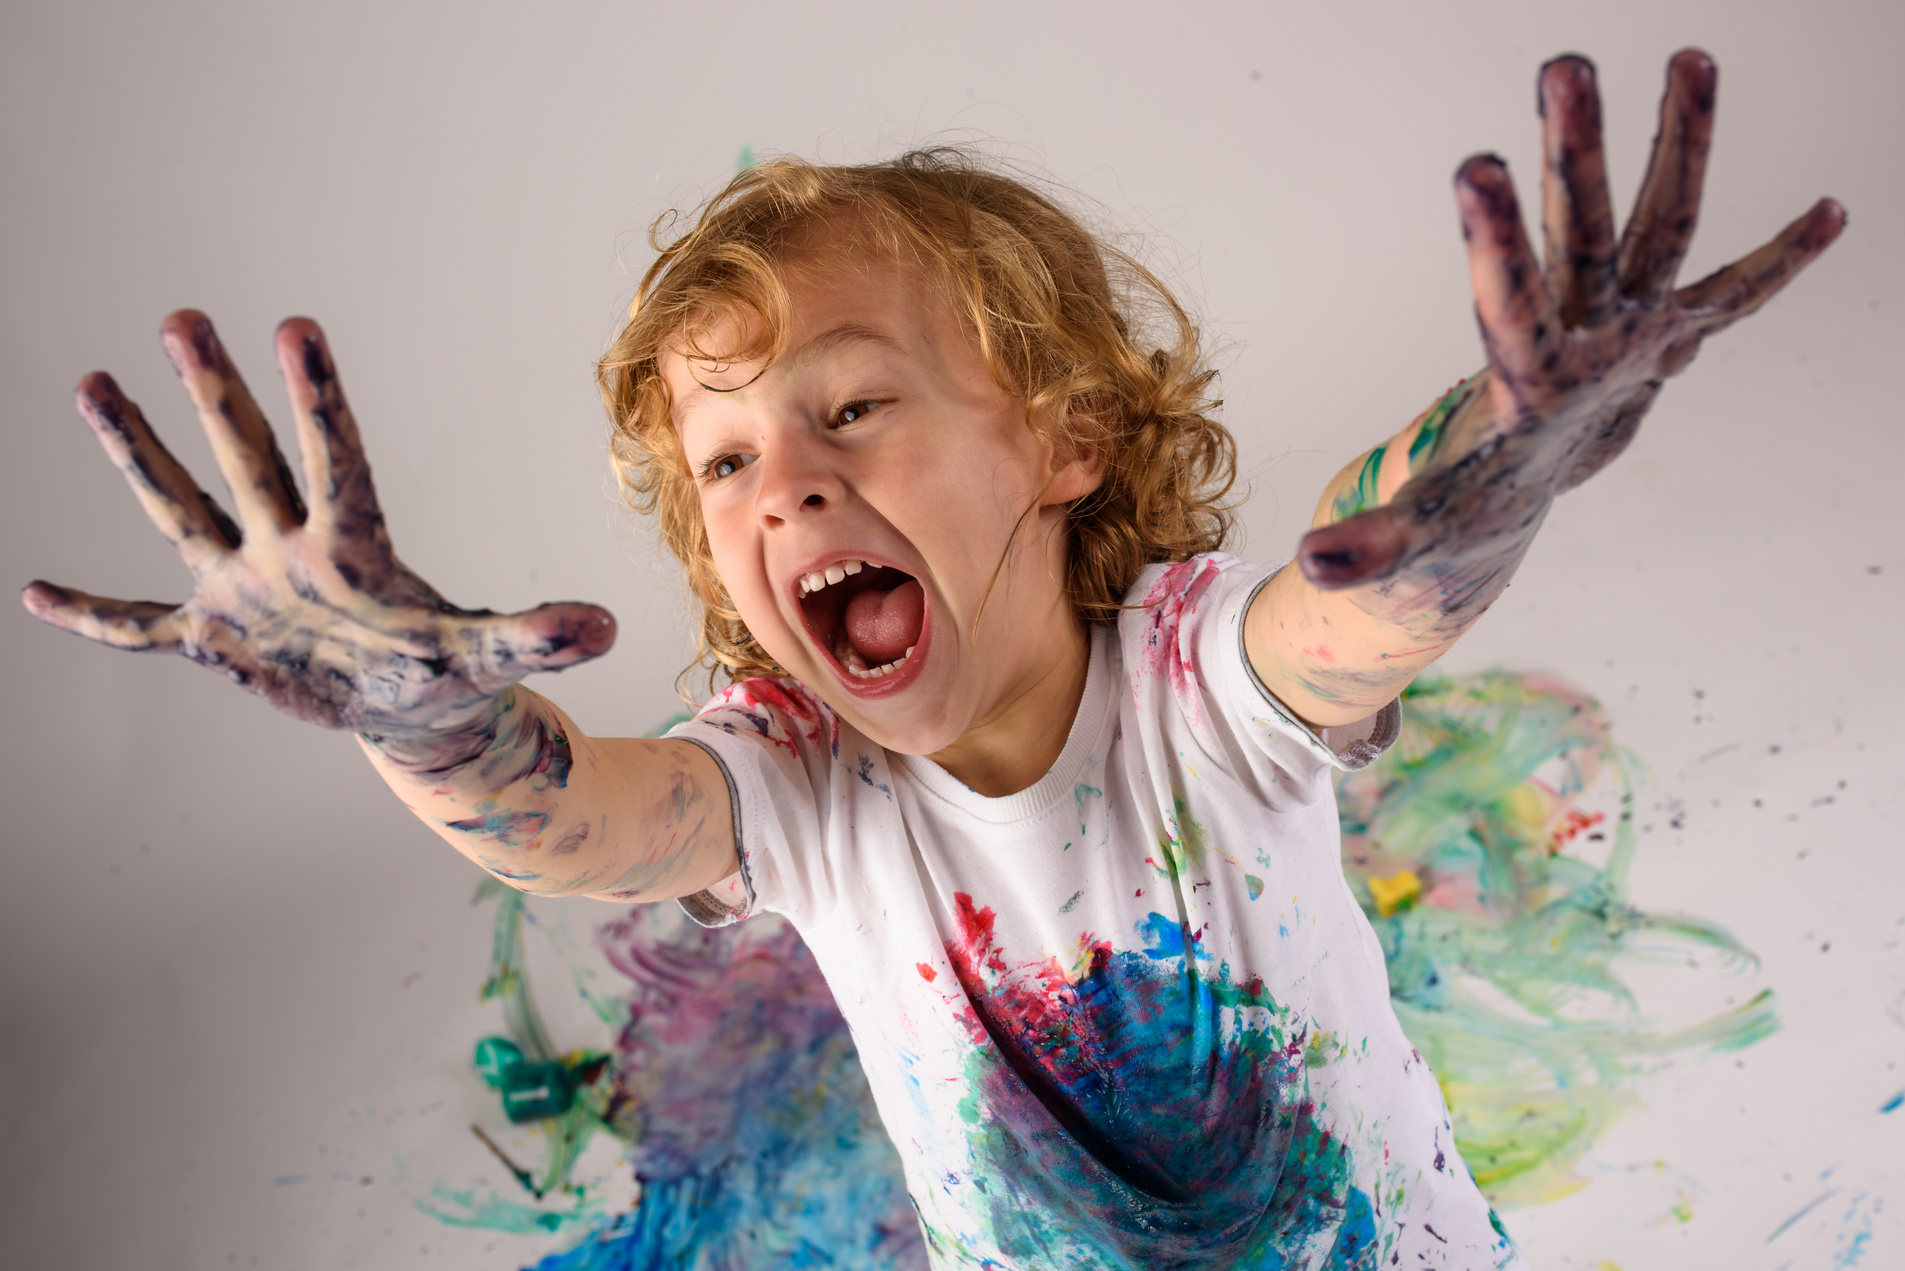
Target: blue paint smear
(1152, 1114)
(866, 775)
(753, 1129)
(511, 829)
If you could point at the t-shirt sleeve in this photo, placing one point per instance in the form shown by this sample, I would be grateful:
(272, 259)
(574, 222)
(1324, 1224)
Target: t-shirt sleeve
(1352, 746)
(776, 744)
(1189, 641)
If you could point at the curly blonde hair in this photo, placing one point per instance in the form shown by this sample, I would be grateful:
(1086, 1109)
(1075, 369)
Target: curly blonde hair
(1062, 319)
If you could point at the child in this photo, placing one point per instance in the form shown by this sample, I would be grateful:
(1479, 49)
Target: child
(1039, 774)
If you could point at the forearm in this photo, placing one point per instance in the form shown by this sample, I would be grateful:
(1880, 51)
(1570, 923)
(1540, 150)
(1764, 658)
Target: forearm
(526, 795)
(1337, 656)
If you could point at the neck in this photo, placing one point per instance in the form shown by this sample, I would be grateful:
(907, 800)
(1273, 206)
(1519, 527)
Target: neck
(1018, 743)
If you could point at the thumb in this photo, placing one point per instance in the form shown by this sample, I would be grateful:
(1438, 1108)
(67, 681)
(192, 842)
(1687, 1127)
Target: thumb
(547, 638)
(1359, 549)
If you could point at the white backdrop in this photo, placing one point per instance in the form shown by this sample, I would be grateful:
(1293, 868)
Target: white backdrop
(232, 959)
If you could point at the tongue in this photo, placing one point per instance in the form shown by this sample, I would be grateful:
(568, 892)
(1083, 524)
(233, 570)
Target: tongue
(882, 625)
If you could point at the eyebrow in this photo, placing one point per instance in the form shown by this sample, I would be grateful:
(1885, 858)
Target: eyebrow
(842, 334)
(834, 337)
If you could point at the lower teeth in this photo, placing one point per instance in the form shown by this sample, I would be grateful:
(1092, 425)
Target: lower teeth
(849, 657)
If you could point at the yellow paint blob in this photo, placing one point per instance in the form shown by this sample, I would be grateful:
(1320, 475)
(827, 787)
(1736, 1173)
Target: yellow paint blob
(1396, 892)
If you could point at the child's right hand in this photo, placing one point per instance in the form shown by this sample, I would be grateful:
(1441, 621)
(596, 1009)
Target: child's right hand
(311, 610)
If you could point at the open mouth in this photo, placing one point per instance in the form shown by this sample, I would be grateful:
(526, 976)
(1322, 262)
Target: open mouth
(870, 618)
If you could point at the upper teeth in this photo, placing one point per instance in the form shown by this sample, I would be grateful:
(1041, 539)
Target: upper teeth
(810, 583)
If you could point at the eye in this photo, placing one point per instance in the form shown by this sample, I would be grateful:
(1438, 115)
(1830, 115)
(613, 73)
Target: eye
(853, 413)
(725, 466)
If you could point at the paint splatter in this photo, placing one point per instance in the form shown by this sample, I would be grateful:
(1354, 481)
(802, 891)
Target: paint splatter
(1854, 1237)
(1473, 846)
(733, 1083)
(1139, 1107)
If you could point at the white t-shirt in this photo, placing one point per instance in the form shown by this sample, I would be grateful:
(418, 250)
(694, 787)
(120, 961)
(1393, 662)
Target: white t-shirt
(1132, 1016)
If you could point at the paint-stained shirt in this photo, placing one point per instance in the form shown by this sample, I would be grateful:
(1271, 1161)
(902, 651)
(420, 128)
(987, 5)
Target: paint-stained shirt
(1131, 1016)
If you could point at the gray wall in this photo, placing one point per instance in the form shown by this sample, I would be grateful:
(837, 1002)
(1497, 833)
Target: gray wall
(232, 959)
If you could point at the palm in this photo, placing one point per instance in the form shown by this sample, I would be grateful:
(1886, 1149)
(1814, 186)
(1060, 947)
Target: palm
(1578, 348)
(310, 609)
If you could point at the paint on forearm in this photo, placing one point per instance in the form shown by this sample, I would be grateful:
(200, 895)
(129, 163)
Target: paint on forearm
(507, 826)
(1348, 685)
(1362, 494)
(1434, 424)
(532, 748)
(677, 826)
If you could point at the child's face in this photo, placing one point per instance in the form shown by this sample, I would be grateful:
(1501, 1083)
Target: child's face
(880, 444)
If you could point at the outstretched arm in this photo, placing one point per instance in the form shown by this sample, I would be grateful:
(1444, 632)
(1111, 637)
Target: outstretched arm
(309, 608)
(1415, 539)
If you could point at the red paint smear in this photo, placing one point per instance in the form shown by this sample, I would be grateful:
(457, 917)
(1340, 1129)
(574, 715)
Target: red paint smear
(1572, 823)
(1038, 1000)
(1174, 595)
(798, 708)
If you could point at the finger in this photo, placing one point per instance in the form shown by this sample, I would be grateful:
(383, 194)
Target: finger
(1723, 298)
(343, 500)
(1577, 219)
(1511, 301)
(548, 638)
(142, 626)
(262, 487)
(185, 514)
(1668, 205)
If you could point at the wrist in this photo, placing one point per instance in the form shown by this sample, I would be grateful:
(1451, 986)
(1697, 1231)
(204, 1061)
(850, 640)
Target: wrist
(444, 745)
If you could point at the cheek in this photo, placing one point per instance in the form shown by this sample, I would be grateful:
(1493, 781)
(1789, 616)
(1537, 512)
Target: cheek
(736, 562)
(974, 481)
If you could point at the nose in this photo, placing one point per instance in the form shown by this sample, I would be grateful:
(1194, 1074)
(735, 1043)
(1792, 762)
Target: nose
(796, 481)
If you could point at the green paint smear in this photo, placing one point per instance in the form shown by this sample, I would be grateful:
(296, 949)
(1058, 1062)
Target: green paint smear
(1506, 969)
(566, 1135)
(1428, 438)
(1183, 843)
(458, 1207)
(1362, 496)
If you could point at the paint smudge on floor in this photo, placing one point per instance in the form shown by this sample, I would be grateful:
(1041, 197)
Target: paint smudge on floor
(1854, 1237)
(1491, 848)
(735, 1089)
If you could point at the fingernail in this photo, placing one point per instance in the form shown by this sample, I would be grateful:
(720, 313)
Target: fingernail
(1486, 173)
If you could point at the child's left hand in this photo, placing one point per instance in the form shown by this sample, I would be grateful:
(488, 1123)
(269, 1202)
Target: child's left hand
(1576, 351)
(1414, 540)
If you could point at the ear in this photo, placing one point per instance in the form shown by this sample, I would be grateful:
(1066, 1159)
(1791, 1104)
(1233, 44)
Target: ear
(1078, 468)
